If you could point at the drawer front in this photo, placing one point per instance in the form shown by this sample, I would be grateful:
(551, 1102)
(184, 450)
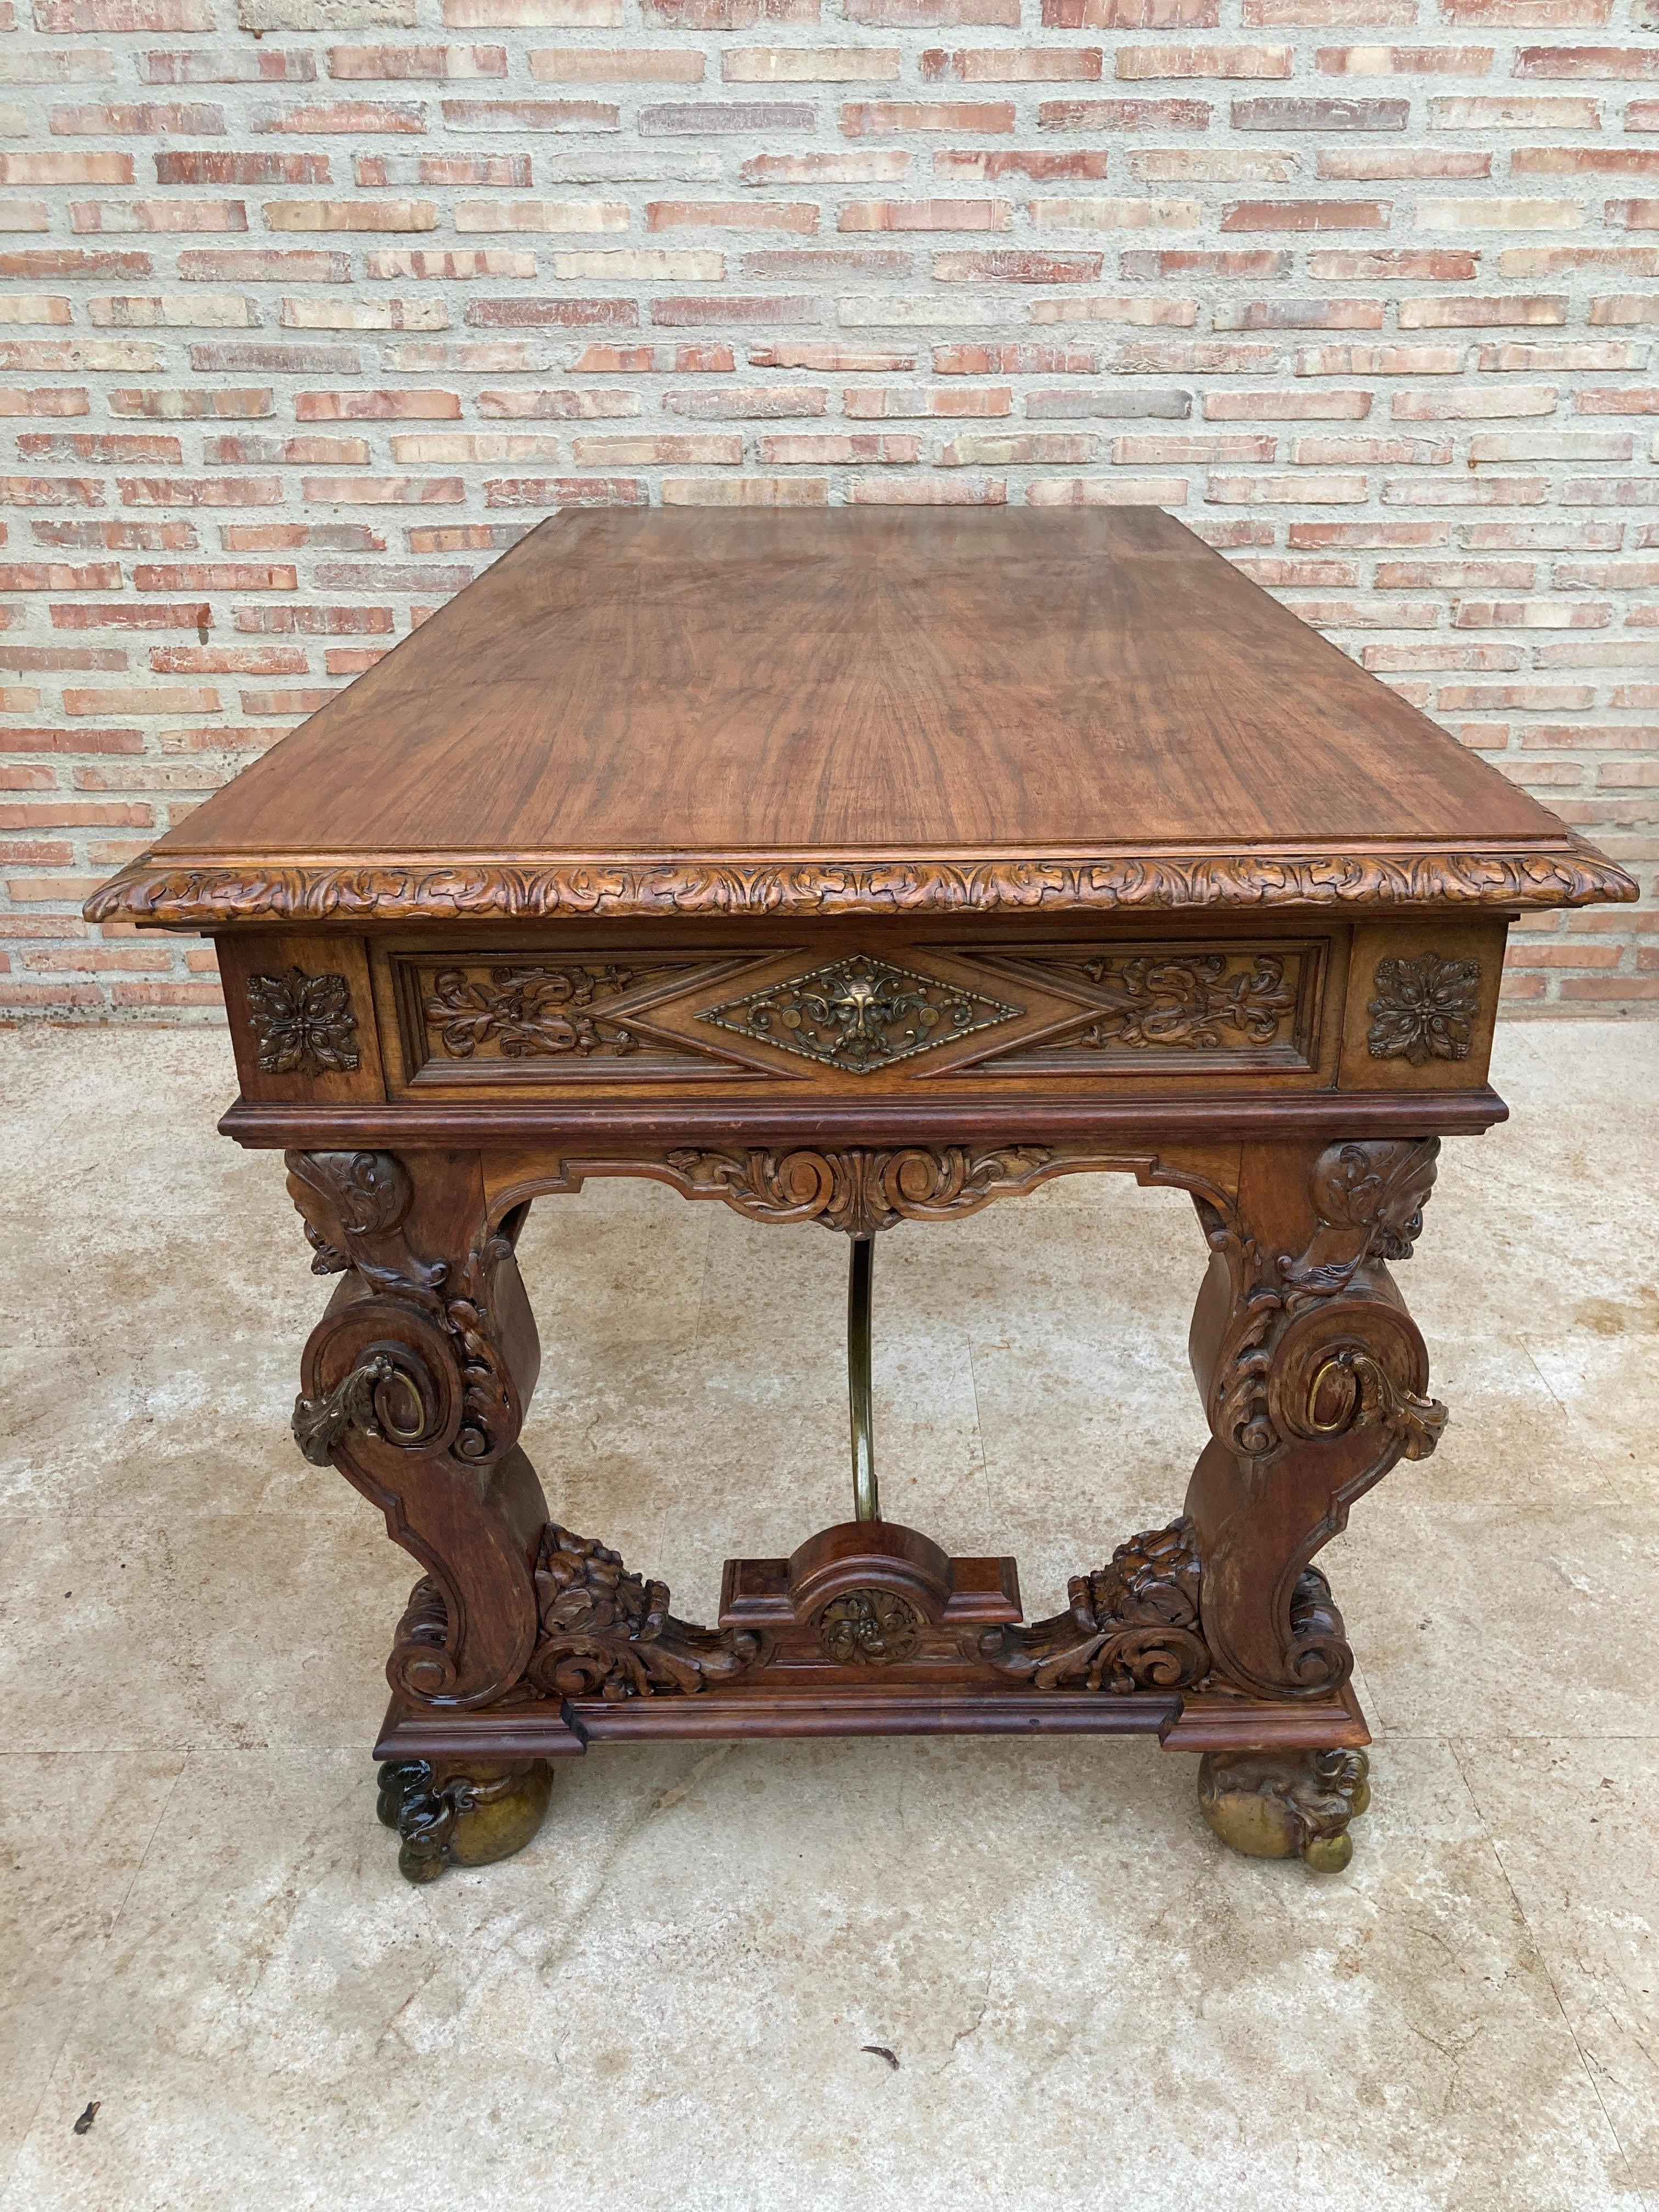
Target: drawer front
(887, 1015)
(855, 1015)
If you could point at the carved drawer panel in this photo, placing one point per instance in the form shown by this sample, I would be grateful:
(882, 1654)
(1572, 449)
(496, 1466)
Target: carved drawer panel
(1171, 1008)
(516, 1016)
(885, 1014)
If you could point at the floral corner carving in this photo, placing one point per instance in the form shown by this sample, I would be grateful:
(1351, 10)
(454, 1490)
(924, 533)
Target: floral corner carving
(304, 1023)
(1424, 1009)
(1132, 1625)
(606, 1633)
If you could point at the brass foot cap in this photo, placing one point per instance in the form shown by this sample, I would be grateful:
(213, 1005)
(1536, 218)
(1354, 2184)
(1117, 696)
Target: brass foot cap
(1286, 1804)
(451, 1815)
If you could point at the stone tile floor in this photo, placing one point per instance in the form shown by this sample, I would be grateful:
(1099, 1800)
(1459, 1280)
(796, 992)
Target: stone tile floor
(664, 2001)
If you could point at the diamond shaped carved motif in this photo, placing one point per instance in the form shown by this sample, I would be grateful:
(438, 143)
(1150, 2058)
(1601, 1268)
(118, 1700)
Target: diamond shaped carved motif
(859, 1013)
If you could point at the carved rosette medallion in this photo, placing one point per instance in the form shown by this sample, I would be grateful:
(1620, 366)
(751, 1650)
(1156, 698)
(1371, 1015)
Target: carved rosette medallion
(304, 1023)
(869, 1628)
(1424, 1009)
(859, 1013)
(529, 1011)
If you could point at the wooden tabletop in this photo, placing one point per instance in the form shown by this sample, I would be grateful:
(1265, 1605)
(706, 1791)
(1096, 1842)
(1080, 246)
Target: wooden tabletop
(858, 709)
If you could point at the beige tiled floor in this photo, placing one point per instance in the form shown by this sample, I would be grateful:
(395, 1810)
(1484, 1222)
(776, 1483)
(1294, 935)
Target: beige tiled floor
(663, 2003)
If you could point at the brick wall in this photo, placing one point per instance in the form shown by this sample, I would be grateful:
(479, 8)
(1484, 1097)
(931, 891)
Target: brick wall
(312, 306)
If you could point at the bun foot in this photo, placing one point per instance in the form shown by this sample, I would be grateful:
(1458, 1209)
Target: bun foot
(1286, 1804)
(450, 1814)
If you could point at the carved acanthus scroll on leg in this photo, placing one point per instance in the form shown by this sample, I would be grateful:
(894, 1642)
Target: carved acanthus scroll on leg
(1314, 1379)
(1133, 1625)
(416, 1378)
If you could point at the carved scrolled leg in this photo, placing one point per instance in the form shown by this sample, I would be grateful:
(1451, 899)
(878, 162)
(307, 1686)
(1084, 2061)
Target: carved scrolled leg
(450, 1814)
(1286, 1804)
(1313, 1378)
(416, 1381)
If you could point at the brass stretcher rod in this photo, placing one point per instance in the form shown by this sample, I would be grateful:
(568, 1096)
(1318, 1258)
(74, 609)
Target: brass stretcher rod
(866, 1505)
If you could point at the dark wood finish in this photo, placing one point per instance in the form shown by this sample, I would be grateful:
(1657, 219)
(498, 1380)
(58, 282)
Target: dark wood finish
(859, 870)
(702, 712)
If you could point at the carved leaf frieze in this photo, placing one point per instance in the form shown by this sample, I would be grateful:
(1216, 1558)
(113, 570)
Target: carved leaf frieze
(1203, 1002)
(524, 1011)
(157, 890)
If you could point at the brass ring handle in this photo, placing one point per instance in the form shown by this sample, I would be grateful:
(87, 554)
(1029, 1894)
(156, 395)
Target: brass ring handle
(319, 1423)
(1375, 1397)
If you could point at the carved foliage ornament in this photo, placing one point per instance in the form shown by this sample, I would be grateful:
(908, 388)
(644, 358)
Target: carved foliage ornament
(859, 1013)
(149, 890)
(869, 1628)
(304, 1023)
(1155, 1001)
(529, 1012)
(1424, 1009)
(1133, 1625)
(354, 1205)
(1368, 1198)
(861, 1192)
(607, 1633)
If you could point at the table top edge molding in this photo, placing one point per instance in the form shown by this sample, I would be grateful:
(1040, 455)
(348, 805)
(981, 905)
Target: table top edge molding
(169, 890)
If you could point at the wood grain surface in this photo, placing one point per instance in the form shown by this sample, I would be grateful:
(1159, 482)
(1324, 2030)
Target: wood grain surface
(689, 681)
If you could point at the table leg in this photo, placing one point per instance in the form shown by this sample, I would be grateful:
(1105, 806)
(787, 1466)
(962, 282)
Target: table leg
(416, 1381)
(1313, 1374)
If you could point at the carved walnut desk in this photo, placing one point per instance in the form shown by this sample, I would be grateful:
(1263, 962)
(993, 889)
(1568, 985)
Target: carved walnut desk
(858, 868)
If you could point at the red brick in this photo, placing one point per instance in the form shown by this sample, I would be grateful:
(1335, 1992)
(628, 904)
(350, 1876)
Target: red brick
(564, 314)
(798, 215)
(1017, 267)
(1130, 15)
(876, 119)
(1305, 215)
(213, 167)
(987, 166)
(930, 15)
(140, 118)
(710, 308)
(1012, 65)
(1111, 117)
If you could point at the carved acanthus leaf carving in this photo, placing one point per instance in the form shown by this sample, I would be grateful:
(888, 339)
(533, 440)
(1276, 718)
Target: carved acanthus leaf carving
(608, 1633)
(1158, 1001)
(1424, 1009)
(161, 890)
(304, 1023)
(1368, 1198)
(529, 1011)
(1133, 1625)
(354, 1205)
(861, 1192)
